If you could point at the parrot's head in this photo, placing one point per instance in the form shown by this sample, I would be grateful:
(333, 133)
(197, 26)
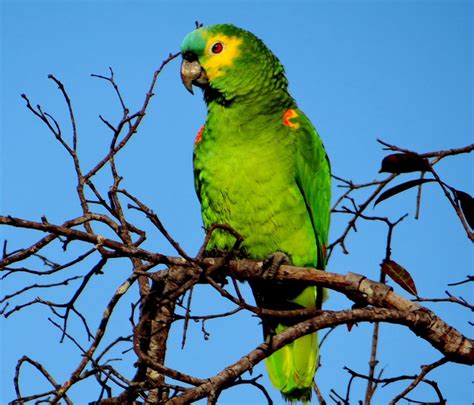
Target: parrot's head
(228, 62)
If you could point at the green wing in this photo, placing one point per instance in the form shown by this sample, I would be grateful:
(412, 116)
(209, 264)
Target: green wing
(313, 175)
(291, 369)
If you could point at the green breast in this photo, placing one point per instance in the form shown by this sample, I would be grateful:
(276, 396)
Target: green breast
(245, 177)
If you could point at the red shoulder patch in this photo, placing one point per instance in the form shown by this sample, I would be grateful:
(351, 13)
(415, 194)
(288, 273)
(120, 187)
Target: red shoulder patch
(199, 136)
(288, 115)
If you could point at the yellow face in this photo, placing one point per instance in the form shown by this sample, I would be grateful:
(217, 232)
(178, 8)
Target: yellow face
(220, 52)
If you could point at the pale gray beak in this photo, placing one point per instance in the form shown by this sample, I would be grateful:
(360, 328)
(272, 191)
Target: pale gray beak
(192, 73)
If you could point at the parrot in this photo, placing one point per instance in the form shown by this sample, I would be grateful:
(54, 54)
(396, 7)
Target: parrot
(261, 168)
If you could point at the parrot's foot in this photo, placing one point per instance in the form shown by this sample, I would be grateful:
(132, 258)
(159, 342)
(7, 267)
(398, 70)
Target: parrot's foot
(272, 263)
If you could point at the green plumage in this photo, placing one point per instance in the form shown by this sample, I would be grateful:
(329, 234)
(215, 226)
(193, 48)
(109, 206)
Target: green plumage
(261, 168)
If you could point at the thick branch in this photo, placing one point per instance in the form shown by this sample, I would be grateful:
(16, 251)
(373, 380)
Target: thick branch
(363, 291)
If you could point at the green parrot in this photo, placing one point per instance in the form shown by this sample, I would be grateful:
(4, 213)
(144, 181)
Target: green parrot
(261, 168)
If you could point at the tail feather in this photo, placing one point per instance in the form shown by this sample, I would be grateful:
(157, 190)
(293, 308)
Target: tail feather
(292, 368)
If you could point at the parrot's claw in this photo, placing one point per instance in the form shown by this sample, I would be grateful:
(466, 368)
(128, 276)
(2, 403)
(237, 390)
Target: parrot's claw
(272, 263)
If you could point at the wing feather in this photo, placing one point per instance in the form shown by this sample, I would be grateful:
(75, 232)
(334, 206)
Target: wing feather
(313, 176)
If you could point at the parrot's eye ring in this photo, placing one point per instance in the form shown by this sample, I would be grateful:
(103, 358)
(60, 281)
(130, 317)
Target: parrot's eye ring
(217, 47)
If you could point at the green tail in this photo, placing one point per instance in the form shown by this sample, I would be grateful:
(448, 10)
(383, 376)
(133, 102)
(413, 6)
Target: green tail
(291, 369)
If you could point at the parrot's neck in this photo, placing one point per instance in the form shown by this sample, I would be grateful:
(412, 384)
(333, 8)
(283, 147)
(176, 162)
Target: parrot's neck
(258, 101)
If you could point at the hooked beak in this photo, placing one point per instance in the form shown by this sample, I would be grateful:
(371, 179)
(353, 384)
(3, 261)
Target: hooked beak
(192, 73)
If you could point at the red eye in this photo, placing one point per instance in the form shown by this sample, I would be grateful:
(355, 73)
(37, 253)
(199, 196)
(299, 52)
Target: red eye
(217, 47)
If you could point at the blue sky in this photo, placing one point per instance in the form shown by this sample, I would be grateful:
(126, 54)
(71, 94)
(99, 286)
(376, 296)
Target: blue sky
(400, 71)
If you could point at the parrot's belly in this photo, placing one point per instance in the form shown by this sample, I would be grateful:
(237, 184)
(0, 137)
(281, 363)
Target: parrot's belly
(262, 202)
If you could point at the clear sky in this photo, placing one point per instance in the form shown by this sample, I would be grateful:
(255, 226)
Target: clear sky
(400, 71)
